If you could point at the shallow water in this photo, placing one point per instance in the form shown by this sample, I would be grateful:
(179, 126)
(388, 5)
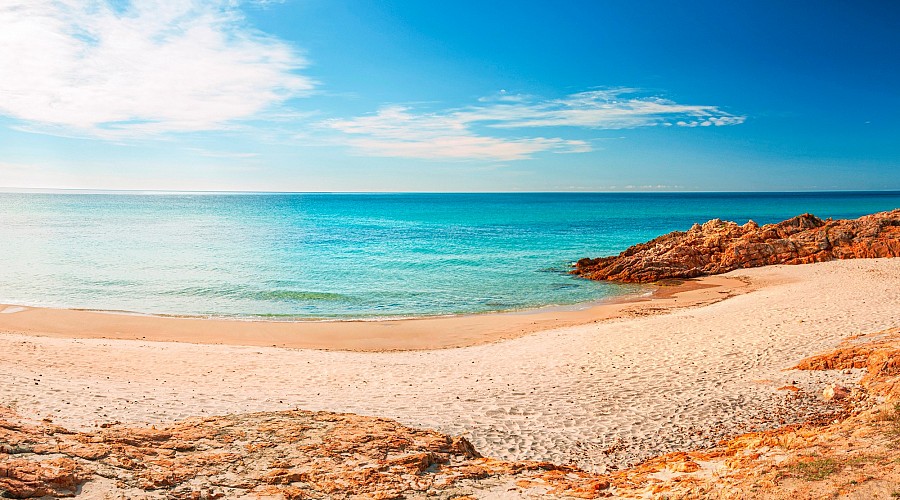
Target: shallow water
(287, 256)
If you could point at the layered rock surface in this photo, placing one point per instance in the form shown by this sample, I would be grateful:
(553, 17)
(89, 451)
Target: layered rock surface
(719, 246)
(291, 454)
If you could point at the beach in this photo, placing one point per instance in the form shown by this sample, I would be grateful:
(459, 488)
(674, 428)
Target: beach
(600, 392)
(423, 333)
(271, 250)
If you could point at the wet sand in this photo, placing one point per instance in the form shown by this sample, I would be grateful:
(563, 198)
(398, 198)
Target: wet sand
(380, 335)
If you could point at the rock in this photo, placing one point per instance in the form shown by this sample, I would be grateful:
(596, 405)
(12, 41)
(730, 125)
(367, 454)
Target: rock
(462, 446)
(290, 454)
(718, 246)
(835, 392)
(53, 477)
(880, 358)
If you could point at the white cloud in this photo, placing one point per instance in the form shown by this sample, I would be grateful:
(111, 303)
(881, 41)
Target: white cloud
(395, 131)
(450, 134)
(84, 67)
(718, 121)
(596, 109)
(222, 154)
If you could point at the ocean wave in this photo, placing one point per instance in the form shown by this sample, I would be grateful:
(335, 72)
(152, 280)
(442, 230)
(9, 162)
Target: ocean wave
(299, 295)
(241, 293)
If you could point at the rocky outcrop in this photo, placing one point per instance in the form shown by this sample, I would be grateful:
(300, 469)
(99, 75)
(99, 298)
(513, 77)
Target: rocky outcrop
(879, 355)
(718, 246)
(291, 454)
(851, 452)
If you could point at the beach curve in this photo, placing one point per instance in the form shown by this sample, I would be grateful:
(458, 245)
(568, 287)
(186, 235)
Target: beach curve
(601, 394)
(425, 333)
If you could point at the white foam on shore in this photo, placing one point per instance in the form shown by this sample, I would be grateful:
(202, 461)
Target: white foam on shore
(12, 309)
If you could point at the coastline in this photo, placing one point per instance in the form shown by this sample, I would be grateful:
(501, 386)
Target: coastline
(408, 334)
(603, 395)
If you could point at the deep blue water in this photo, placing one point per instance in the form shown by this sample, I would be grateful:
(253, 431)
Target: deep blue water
(348, 255)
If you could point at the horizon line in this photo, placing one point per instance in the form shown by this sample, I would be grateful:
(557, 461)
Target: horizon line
(20, 190)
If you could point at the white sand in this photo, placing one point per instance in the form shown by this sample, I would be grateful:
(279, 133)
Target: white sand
(562, 395)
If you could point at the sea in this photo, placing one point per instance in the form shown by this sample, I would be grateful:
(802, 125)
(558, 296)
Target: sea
(342, 256)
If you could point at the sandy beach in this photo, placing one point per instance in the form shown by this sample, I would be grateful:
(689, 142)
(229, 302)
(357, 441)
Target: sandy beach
(601, 387)
(370, 336)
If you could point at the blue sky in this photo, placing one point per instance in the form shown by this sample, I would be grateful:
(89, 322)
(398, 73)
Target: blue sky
(320, 95)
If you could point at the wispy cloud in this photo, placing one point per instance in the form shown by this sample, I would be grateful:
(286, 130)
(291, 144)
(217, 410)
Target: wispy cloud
(396, 131)
(710, 121)
(85, 67)
(597, 109)
(222, 154)
(462, 133)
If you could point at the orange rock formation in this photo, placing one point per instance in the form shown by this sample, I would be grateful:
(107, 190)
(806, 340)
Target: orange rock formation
(292, 454)
(852, 452)
(717, 247)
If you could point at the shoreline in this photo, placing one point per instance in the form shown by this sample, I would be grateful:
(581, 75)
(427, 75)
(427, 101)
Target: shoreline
(364, 335)
(603, 395)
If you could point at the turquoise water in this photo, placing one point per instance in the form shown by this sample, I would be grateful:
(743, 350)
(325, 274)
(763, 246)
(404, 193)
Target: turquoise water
(347, 255)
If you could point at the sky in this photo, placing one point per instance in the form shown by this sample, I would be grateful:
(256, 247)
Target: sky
(326, 95)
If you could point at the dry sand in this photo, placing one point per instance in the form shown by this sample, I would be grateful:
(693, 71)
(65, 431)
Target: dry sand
(600, 394)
